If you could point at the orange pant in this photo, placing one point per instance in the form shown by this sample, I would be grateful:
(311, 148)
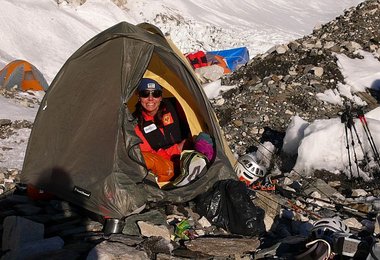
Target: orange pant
(161, 167)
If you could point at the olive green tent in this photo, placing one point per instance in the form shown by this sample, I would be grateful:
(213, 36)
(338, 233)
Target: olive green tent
(83, 147)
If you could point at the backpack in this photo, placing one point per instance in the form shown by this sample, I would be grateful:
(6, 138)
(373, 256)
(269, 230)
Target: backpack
(197, 59)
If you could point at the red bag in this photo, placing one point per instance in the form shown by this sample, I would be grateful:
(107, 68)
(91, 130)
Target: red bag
(197, 59)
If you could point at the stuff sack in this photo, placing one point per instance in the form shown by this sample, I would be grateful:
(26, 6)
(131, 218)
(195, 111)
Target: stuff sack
(228, 205)
(163, 169)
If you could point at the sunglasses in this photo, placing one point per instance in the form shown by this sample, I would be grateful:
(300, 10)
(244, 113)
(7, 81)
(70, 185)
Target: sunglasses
(154, 93)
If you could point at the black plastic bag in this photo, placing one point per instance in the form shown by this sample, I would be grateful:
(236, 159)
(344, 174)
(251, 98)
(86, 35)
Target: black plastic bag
(228, 205)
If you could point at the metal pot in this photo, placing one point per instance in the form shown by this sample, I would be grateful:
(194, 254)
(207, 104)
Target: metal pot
(113, 226)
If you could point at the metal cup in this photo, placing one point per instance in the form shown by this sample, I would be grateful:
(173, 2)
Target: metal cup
(113, 226)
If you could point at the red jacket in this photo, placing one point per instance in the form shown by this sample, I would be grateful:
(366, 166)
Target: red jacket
(145, 146)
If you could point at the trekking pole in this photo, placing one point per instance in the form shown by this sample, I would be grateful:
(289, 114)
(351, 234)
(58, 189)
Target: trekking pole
(350, 123)
(344, 121)
(369, 135)
(360, 143)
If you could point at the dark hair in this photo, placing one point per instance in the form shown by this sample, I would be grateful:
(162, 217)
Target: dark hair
(157, 117)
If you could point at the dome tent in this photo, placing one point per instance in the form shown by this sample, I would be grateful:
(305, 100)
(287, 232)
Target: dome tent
(24, 75)
(83, 147)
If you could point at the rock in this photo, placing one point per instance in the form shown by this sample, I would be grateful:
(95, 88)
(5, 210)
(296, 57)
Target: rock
(361, 207)
(318, 71)
(111, 250)
(329, 45)
(281, 49)
(376, 204)
(125, 239)
(223, 247)
(220, 102)
(353, 223)
(204, 222)
(153, 216)
(352, 46)
(5, 122)
(238, 123)
(148, 230)
(154, 245)
(211, 73)
(334, 184)
(359, 193)
(321, 187)
(294, 45)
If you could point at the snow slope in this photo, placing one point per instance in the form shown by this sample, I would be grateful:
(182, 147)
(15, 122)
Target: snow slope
(46, 33)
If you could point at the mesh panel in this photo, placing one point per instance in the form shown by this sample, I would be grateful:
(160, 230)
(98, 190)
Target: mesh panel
(28, 75)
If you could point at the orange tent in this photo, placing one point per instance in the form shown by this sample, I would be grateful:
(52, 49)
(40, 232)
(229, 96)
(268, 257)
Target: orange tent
(24, 75)
(218, 60)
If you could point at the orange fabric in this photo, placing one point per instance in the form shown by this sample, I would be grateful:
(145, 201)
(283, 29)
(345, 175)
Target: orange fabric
(167, 119)
(145, 146)
(222, 63)
(162, 168)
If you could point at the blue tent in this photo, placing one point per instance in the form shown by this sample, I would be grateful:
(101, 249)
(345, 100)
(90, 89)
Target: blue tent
(234, 57)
